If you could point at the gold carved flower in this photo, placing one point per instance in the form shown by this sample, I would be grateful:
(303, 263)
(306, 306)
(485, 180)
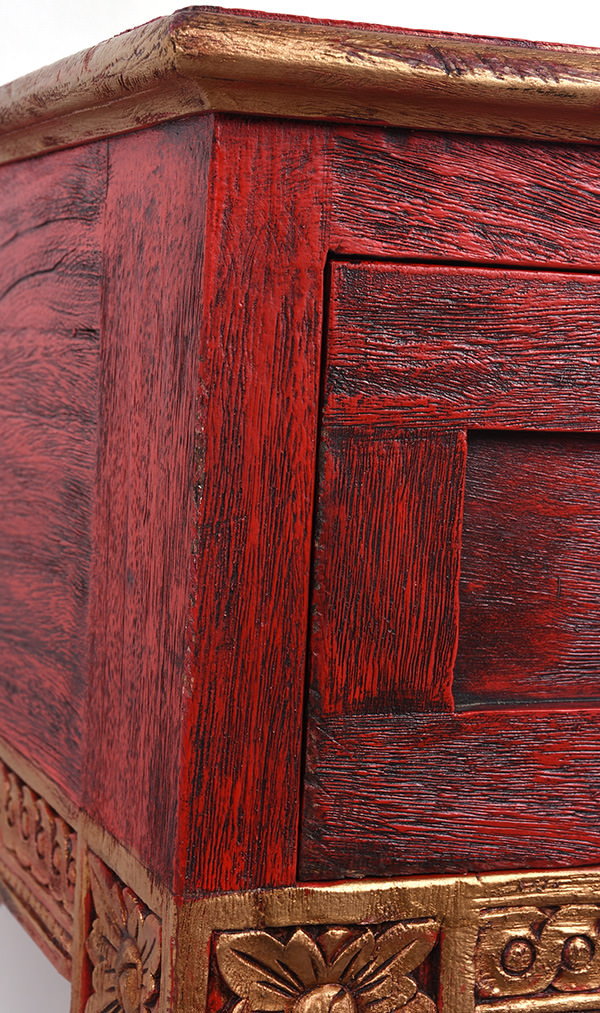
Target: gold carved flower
(340, 971)
(124, 947)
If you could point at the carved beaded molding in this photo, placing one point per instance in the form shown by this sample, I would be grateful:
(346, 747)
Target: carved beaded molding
(519, 943)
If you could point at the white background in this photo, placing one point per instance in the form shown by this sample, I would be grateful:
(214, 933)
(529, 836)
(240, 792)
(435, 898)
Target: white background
(38, 32)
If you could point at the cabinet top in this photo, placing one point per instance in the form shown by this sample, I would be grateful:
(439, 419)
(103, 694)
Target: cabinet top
(204, 59)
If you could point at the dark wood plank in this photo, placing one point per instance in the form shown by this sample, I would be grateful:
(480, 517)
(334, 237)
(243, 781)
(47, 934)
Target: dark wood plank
(389, 796)
(259, 380)
(397, 193)
(144, 518)
(50, 313)
(530, 569)
(463, 346)
(386, 564)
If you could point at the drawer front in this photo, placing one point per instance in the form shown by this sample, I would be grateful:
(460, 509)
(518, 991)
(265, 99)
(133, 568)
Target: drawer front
(455, 674)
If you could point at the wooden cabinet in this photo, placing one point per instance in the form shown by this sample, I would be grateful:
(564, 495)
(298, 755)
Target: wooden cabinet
(299, 473)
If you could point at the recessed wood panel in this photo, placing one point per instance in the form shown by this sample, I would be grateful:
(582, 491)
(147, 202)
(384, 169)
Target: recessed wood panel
(530, 570)
(510, 780)
(466, 347)
(385, 590)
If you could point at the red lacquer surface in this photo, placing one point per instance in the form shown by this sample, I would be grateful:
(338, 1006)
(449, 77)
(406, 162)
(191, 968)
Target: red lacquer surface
(50, 318)
(163, 427)
(510, 356)
(259, 377)
(143, 527)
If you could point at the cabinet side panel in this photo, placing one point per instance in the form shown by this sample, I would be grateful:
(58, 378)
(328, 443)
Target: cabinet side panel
(262, 321)
(51, 215)
(154, 245)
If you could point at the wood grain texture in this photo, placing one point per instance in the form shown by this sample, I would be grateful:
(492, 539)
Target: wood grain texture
(467, 347)
(386, 565)
(451, 793)
(50, 315)
(202, 59)
(433, 196)
(259, 375)
(143, 527)
(530, 570)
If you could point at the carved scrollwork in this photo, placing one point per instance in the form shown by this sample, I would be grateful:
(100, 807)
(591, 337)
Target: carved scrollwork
(44, 846)
(532, 951)
(341, 969)
(38, 866)
(124, 947)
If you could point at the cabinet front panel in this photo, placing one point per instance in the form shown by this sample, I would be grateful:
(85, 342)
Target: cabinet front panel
(455, 675)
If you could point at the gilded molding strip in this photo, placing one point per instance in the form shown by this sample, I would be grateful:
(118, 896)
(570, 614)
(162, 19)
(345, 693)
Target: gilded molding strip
(518, 943)
(202, 60)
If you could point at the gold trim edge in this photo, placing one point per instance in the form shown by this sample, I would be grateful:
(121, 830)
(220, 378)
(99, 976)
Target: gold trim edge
(200, 60)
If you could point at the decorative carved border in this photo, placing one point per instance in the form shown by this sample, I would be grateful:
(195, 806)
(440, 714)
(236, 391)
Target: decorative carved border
(110, 936)
(518, 943)
(124, 947)
(38, 860)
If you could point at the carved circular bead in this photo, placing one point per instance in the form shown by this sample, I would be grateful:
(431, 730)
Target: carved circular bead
(518, 956)
(326, 999)
(577, 952)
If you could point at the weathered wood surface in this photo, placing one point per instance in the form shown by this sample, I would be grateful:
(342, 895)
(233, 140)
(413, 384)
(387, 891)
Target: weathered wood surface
(261, 329)
(464, 347)
(206, 395)
(439, 793)
(530, 570)
(384, 617)
(148, 476)
(432, 196)
(413, 346)
(200, 60)
(50, 316)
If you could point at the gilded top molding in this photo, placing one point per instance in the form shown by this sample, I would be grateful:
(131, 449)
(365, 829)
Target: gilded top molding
(207, 59)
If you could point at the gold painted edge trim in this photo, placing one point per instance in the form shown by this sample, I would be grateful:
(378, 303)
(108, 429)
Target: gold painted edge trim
(456, 901)
(203, 59)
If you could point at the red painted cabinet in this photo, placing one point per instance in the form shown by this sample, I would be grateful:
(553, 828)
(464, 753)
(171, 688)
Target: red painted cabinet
(299, 565)
(455, 626)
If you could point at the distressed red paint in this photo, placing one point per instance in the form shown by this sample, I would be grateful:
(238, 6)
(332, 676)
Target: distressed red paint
(239, 495)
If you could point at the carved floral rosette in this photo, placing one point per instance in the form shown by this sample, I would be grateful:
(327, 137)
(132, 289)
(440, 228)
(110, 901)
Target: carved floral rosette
(548, 955)
(338, 969)
(124, 947)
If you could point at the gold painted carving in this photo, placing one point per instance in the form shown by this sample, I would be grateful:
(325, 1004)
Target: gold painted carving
(341, 969)
(43, 844)
(550, 954)
(38, 856)
(124, 947)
